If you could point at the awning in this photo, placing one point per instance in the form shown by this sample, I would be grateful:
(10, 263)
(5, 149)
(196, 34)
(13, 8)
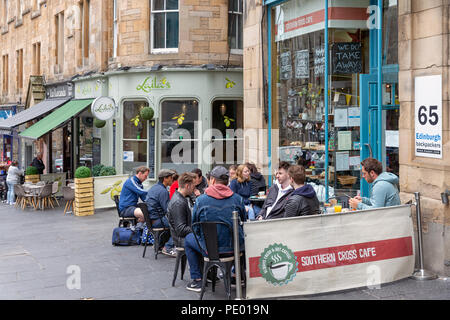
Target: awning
(56, 119)
(31, 113)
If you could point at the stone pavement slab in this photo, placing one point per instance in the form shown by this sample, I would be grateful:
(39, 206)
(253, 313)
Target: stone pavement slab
(39, 251)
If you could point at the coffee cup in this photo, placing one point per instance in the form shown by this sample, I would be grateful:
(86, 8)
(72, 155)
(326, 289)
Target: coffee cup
(281, 269)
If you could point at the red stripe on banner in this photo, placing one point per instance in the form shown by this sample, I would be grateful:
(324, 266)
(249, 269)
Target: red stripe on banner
(357, 253)
(334, 13)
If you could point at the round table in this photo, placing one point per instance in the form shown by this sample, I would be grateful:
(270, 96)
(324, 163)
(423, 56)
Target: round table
(257, 200)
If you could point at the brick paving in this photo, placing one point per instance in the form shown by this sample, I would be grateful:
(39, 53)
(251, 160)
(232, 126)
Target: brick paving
(40, 249)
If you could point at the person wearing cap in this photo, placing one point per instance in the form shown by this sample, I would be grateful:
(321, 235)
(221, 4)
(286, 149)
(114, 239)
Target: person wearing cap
(216, 204)
(157, 201)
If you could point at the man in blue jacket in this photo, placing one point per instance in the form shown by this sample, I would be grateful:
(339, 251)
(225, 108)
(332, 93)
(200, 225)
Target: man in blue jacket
(384, 191)
(216, 204)
(132, 190)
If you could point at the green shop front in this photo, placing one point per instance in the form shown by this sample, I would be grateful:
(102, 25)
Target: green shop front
(194, 111)
(333, 97)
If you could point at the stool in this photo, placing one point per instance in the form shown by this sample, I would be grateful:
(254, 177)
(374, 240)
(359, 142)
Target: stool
(181, 256)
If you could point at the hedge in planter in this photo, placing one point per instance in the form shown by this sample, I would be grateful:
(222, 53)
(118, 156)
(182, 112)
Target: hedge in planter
(107, 171)
(96, 170)
(83, 172)
(84, 192)
(31, 174)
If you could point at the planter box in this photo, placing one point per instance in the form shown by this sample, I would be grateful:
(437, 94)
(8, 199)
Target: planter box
(83, 204)
(32, 178)
(105, 188)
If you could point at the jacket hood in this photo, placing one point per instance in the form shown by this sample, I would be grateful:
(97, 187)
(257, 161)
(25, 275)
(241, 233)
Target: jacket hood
(218, 191)
(257, 176)
(305, 191)
(388, 177)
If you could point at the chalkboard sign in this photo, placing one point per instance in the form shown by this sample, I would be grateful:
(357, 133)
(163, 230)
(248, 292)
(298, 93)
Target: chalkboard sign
(346, 58)
(319, 61)
(285, 66)
(96, 151)
(302, 64)
(151, 150)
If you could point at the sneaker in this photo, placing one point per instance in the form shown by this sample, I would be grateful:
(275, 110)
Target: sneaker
(171, 252)
(233, 282)
(195, 285)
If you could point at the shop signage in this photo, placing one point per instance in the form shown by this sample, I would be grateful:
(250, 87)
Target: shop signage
(302, 64)
(285, 66)
(103, 108)
(428, 116)
(285, 257)
(346, 58)
(58, 91)
(319, 61)
(151, 83)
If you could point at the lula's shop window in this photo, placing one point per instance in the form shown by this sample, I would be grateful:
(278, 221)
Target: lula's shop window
(134, 136)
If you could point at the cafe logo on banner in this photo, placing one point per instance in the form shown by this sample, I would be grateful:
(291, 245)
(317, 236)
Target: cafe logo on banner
(278, 264)
(103, 108)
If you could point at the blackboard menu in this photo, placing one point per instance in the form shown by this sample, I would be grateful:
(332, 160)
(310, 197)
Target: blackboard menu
(285, 66)
(302, 64)
(346, 58)
(151, 150)
(319, 61)
(96, 151)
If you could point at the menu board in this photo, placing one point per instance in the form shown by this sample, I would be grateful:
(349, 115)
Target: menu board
(96, 151)
(151, 150)
(285, 66)
(319, 61)
(302, 64)
(346, 58)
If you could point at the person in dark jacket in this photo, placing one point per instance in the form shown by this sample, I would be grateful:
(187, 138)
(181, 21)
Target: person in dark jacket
(38, 163)
(157, 201)
(200, 182)
(303, 200)
(278, 195)
(257, 181)
(132, 190)
(179, 210)
(217, 204)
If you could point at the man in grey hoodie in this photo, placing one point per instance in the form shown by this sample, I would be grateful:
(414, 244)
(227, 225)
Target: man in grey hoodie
(384, 191)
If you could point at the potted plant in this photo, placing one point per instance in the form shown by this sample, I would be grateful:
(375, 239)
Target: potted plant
(31, 174)
(84, 192)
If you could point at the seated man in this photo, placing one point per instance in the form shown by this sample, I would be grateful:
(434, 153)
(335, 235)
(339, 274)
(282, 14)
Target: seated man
(384, 191)
(179, 210)
(157, 200)
(303, 200)
(200, 182)
(277, 196)
(132, 190)
(216, 204)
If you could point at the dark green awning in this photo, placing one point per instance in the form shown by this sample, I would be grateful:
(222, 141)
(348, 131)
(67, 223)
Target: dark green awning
(55, 119)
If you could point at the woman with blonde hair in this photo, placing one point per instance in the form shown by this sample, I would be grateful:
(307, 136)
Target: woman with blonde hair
(241, 185)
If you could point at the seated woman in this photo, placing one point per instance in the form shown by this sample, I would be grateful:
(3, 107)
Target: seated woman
(242, 186)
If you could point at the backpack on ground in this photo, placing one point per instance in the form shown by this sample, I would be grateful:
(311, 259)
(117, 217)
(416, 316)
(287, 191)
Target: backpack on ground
(126, 236)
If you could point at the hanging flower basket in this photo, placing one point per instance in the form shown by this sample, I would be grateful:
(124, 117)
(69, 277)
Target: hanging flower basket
(99, 123)
(147, 113)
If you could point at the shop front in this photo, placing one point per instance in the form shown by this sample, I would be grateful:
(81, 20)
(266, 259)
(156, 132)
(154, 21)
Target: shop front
(9, 141)
(196, 115)
(330, 105)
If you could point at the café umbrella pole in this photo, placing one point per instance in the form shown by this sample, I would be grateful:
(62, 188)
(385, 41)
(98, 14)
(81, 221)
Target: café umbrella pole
(421, 274)
(237, 260)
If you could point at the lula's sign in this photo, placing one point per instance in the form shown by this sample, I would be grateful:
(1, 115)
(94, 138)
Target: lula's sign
(151, 83)
(103, 108)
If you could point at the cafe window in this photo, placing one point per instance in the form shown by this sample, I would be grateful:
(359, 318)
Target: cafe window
(135, 132)
(179, 134)
(85, 139)
(298, 105)
(58, 150)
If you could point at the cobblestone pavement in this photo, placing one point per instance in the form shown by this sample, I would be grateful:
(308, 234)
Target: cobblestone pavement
(41, 251)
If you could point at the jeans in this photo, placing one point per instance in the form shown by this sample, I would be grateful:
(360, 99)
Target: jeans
(164, 223)
(250, 213)
(194, 256)
(11, 197)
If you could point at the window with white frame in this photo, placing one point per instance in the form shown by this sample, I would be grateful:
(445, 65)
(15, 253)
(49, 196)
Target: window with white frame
(235, 24)
(164, 25)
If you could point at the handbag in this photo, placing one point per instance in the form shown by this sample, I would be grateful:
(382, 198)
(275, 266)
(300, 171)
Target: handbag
(126, 237)
(147, 237)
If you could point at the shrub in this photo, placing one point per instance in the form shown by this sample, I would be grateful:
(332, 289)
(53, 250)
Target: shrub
(107, 171)
(31, 171)
(83, 172)
(147, 113)
(96, 170)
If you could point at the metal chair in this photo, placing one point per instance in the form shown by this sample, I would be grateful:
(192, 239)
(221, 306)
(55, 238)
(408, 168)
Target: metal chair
(211, 256)
(123, 221)
(181, 257)
(69, 196)
(158, 233)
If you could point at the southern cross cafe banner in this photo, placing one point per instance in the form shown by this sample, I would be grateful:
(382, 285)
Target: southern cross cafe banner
(330, 252)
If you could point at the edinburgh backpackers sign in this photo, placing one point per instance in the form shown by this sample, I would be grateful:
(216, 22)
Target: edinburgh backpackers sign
(329, 252)
(346, 58)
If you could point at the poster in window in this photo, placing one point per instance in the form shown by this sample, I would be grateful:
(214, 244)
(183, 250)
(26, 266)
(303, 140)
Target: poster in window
(285, 66)
(302, 64)
(319, 61)
(346, 58)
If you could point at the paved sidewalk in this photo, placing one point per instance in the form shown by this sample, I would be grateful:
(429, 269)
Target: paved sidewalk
(41, 252)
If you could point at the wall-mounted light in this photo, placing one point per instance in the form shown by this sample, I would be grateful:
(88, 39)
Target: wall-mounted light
(223, 109)
(184, 108)
(444, 196)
